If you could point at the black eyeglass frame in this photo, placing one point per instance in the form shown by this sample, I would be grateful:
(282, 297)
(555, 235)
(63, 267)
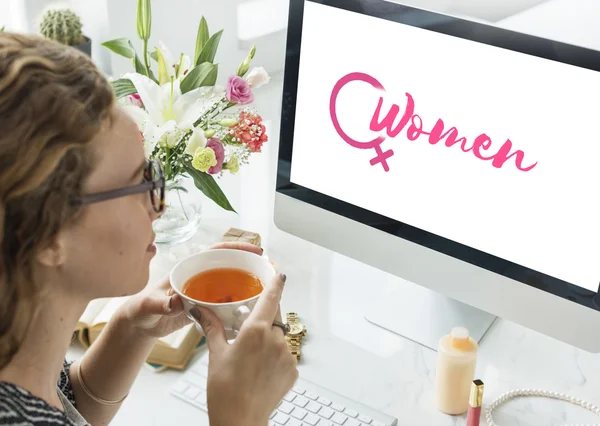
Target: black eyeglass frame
(150, 185)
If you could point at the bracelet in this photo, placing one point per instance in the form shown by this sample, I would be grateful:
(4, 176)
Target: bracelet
(537, 392)
(89, 392)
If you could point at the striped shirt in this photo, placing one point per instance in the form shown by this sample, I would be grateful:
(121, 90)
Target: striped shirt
(19, 407)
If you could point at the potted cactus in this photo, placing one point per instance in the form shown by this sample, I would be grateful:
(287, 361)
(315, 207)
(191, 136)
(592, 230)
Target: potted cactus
(64, 26)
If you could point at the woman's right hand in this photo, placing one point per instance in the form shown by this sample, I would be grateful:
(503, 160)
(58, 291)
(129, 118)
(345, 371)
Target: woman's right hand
(248, 378)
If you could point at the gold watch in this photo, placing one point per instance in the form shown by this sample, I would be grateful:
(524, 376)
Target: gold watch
(295, 335)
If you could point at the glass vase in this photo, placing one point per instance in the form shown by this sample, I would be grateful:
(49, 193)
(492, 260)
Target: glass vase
(181, 218)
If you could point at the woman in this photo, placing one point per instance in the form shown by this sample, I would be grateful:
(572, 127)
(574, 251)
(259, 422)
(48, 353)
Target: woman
(63, 141)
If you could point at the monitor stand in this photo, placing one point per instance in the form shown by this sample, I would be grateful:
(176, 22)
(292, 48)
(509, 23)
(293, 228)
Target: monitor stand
(424, 316)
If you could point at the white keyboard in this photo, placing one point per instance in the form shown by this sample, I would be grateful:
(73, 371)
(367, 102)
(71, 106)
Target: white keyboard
(307, 404)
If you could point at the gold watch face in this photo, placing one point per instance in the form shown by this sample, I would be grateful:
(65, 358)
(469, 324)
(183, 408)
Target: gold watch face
(296, 329)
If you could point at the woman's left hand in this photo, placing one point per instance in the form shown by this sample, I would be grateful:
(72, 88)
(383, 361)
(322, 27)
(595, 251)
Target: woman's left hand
(157, 311)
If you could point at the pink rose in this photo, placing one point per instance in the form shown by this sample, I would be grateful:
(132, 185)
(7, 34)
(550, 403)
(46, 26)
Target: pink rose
(239, 91)
(136, 100)
(216, 145)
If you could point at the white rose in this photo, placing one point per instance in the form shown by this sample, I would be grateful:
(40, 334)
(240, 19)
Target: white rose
(257, 77)
(197, 140)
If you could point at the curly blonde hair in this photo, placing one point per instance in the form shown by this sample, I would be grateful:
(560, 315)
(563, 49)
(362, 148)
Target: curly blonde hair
(53, 101)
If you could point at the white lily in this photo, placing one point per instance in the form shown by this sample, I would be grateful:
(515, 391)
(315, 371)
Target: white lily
(166, 108)
(174, 69)
(197, 140)
(184, 66)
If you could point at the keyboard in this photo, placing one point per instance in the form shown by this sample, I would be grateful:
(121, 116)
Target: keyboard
(307, 404)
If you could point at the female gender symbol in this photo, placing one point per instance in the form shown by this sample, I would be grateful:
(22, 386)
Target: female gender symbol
(381, 156)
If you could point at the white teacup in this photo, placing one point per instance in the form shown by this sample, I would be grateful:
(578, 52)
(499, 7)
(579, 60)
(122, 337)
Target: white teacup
(232, 314)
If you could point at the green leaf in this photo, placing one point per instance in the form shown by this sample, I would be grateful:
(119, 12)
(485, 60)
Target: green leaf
(211, 79)
(121, 46)
(140, 68)
(201, 38)
(124, 47)
(203, 75)
(209, 187)
(123, 87)
(210, 49)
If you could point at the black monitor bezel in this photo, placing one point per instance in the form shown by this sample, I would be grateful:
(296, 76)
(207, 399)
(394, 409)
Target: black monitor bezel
(452, 26)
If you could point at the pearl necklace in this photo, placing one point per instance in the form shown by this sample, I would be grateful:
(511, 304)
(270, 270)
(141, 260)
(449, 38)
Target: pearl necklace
(536, 392)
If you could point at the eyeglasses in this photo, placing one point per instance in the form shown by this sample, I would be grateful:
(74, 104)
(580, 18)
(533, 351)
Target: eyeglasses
(154, 183)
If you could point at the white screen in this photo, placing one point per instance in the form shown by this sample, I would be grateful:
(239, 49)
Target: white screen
(546, 218)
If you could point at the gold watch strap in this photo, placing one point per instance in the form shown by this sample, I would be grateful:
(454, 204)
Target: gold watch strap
(293, 342)
(294, 346)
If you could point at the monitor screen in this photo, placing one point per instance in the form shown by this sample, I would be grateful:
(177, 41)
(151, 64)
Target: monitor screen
(452, 134)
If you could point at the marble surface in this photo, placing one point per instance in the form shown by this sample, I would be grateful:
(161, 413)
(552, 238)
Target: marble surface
(350, 356)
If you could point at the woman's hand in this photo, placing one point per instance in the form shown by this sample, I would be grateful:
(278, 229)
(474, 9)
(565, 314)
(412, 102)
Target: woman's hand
(157, 311)
(248, 378)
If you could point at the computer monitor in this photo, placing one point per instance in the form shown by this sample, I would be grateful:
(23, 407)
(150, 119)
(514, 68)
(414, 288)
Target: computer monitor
(458, 156)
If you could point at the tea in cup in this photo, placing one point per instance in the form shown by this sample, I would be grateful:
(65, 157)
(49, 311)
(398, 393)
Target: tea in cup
(226, 281)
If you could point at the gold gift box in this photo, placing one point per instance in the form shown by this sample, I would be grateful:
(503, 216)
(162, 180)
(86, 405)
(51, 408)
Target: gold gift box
(235, 234)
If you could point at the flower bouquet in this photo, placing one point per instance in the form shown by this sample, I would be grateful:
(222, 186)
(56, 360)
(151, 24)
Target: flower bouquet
(192, 126)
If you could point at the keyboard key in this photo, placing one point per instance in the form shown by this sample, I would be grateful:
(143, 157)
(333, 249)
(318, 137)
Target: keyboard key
(300, 401)
(273, 414)
(365, 419)
(311, 419)
(338, 407)
(293, 422)
(180, 387)
(378, 424)
(201, 369)
(201, 398)
(339, 419)
(324, 401)
(192, 392)
(325, 423)
(351, 413)
(195, 379)
(299, 413)
(299, 391)
(311, 395)
(285, 407)
(326, 413)
(281, 419)
(352, 422)
(313, 407)
(289, 397)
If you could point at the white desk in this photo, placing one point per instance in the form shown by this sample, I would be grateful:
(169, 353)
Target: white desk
(352, 357)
